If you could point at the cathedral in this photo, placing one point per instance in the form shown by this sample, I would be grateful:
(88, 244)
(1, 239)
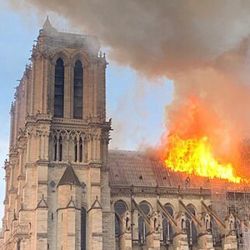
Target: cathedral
(65, 190)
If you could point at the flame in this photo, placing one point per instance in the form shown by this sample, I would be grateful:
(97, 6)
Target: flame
(194, 156)
(200, 142)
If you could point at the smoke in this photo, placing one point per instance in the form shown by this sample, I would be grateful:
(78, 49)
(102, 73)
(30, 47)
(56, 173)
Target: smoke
(202, 45)
(158, 37)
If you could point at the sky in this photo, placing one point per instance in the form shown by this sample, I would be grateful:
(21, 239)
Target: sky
(136, 106)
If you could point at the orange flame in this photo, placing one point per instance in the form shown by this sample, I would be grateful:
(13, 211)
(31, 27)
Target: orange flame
(194, 156)
(202, 144)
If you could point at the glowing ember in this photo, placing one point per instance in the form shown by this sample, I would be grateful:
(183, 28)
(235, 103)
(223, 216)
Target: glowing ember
(194, 156)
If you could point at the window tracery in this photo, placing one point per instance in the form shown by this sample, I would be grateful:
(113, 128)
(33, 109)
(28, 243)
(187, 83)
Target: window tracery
(58, 148)
(68, 145)
(78, 149)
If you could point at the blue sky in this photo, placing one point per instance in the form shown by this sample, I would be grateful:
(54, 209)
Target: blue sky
(135, 104)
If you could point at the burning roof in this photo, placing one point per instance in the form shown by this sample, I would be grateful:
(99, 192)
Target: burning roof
(140, 169)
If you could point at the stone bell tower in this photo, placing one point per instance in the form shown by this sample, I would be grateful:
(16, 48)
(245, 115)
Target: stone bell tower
(57, 191)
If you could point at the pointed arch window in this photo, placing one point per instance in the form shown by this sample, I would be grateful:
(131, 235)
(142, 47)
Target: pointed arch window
(142, 227)
(80, 150)
(217, 237)
(78, 90)
(60, 148)
(55, 148)
(59, 89)
(120, 208)
(83, 228)
(239, 233)
(167, 227)
(191, 228)
(75, 148)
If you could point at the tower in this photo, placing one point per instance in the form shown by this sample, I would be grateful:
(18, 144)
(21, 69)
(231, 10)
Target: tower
(57, 188)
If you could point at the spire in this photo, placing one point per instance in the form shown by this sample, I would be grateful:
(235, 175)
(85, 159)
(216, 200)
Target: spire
(69, 178)
(47, 27)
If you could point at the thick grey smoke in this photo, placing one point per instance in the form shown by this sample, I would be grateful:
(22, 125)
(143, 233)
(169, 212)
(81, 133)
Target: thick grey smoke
(202, 45)
(158, 37)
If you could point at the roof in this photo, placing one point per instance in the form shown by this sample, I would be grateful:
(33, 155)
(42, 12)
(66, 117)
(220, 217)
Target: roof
(132, 168)
(69, 178)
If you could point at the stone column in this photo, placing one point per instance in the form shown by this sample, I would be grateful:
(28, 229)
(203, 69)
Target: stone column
(126, 238)
(180, 241)
(230, 242)
(41, 226)
(153, 240)
(95, 216)
(95, 213)
(205, 242)
(126, 241)
(71, 229)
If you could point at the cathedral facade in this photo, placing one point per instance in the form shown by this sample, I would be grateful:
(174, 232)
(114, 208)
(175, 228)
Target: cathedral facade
(66, 191)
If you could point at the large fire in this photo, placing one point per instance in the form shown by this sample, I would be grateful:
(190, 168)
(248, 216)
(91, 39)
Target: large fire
(201, 143)
(194, 156)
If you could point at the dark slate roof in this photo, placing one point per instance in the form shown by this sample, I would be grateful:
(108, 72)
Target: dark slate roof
(132, 168)
(69, 178)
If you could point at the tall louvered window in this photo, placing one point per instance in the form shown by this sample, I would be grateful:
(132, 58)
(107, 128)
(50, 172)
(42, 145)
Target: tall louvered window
(83, 228)
(59, 89)
(78, 90)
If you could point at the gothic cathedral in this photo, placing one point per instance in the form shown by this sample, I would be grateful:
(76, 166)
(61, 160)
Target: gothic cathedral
(66, 191)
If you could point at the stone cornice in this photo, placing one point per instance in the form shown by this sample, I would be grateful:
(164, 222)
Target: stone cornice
(161, 191)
